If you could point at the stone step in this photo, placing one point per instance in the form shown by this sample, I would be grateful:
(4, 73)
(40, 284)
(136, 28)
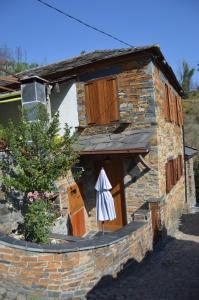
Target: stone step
(141, 215)
(194, 209)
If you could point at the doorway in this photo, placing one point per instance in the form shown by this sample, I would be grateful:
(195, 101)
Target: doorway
(114, 171)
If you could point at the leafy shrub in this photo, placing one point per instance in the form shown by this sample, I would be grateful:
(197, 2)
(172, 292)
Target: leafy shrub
(37, 157)
(38, 221)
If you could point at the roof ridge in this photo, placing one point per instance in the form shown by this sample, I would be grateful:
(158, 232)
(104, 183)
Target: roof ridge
(89, 53)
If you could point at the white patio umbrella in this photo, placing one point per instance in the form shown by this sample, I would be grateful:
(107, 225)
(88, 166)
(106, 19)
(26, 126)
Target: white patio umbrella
(105, 209)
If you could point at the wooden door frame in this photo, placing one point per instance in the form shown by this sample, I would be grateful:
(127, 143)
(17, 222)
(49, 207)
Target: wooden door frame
(113, 157)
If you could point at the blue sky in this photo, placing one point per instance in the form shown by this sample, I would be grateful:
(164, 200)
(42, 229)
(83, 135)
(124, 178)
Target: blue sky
(47, 36)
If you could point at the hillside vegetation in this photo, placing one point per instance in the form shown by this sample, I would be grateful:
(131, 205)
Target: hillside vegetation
(191, 129)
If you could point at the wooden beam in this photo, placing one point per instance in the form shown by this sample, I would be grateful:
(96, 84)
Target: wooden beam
(119, 151)
(8, 79)
(145, 164)
(7, 89)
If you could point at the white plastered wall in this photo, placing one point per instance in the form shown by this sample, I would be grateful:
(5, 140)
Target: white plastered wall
(64, 100)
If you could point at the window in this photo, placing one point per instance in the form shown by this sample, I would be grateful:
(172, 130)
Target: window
(101, 101)
(172, 107)
(166, 103)
(174, 171)
(180, 112)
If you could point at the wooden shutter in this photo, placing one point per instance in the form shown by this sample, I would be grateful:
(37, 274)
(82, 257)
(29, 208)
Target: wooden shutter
(167, 178)
(180, 111)
(175, 109)
(76, 208)
(166, 103)
(172, 174)
(78, 223)
(178, 168)
(103, 107)
(112, 101)
(101, 101)
(181, 165)
(175, 163)
(171, 106)
(92, 102)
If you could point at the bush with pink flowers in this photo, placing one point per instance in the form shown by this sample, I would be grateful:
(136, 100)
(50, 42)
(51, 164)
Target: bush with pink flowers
(35, 159)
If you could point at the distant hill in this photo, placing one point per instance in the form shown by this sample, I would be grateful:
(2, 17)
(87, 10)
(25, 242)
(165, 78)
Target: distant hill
(191, 122)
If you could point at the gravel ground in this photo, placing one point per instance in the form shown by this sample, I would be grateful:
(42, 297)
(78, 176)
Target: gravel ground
(171, 272)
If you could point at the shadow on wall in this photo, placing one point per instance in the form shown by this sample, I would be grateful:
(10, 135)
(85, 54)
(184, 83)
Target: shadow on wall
(60, 93)
(134, 171)
(170, 273)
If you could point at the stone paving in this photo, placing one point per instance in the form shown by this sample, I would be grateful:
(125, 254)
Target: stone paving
(171, 272)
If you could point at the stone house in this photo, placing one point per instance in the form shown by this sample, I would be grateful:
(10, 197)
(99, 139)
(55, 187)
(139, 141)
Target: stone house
(125, 106)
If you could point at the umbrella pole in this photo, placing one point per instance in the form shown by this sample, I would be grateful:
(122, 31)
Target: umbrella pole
(102, 227)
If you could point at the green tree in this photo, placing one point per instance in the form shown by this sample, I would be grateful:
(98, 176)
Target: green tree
(186, 75)
(14, 61)
(36, 158)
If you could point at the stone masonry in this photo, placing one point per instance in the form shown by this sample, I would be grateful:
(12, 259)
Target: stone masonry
(170, 145)
(70, 271)
(140, 86)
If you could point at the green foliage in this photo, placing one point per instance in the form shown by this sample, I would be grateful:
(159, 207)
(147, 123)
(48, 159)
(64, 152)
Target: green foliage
(191, 129)
(186, 76)
(14, 61)
(37, 157)
(3, 135)
(38, 221)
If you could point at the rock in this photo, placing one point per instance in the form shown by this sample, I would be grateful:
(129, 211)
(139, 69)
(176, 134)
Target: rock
(9, 218)
(60, 226)
(2, 291)
(21, 297)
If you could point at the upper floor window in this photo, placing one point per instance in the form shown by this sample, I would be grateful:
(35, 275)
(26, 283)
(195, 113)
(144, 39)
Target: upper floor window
(174, 171)
(101, 101)
(172, 107)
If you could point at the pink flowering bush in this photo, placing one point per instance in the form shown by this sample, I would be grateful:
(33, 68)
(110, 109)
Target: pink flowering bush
(35, 160)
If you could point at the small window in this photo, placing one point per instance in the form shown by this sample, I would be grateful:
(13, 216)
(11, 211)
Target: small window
(166, 103)
(101, 101)
(174, 171)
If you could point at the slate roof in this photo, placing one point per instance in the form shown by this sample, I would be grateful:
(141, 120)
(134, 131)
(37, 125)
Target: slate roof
(68, 67)
(190, 152)
(84, 59)
(135, 141)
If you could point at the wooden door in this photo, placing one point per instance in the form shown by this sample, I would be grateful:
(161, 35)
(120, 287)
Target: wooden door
(76, 206)
(114, 171)
(155, 216)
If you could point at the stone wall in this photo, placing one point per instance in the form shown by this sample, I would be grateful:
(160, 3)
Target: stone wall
(170, 145)
(190, 183)
(141, 94)
(135, 94)
(71, 270)
(140, 183)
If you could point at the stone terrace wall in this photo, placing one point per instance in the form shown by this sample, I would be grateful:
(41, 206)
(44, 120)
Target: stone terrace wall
(70, 271)
(170, 145)
(190, 181)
